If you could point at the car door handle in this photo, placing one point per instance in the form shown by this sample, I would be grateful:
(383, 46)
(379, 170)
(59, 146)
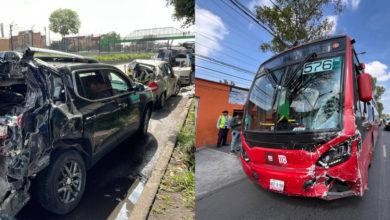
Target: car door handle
(90, 117)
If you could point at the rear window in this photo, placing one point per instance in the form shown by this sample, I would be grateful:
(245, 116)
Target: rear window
(93, 85)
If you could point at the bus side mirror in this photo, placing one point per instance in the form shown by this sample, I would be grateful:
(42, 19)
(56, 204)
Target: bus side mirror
(362, 66)
(365, 91)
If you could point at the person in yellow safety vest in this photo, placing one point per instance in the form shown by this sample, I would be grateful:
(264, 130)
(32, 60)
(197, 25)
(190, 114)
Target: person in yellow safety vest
(223, 125)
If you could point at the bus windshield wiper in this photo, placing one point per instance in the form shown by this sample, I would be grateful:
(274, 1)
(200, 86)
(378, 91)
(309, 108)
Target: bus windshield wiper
(295, 72)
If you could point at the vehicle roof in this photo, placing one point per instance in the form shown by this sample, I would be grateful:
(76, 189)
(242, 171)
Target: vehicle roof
(304, 44)
(80, 66)
(150, 62)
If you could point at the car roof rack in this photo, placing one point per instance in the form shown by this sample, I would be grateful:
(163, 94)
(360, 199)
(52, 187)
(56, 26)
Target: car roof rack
(72, 58)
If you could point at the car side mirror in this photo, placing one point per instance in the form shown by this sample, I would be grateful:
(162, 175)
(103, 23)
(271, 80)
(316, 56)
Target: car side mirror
(365, 91)
(139, 88)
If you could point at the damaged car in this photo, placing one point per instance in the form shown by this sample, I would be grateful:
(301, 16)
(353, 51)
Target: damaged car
(58, 116)
(310, 124)
(158, 76)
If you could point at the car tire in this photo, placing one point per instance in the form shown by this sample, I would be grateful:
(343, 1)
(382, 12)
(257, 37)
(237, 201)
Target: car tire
(67, 173)
(143, 128)
(161, 101)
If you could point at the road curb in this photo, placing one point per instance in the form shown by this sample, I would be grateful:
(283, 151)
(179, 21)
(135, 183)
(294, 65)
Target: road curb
(145, 201)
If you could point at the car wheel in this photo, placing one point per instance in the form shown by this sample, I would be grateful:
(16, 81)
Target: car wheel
(143, 128)
(61, 185)
(161, 102)
(177, 89)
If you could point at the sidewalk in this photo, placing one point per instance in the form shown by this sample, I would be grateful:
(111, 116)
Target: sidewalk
(215, 168)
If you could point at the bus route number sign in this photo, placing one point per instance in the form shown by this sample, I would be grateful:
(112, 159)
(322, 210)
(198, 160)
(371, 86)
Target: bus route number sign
(321, 65)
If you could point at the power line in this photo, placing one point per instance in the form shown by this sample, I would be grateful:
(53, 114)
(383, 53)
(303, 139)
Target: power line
(252, 16)
(234, 27)
(197, 43)
(223, 73)
(229, 15)
(221, 77)
(225, 64)
(204, 35)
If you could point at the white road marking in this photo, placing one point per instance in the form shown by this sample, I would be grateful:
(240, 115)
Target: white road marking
(122, 215)
(136, 193)
(384, 151)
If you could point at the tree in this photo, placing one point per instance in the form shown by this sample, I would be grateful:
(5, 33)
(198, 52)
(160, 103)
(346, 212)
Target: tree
(184, 10)
(292, 22)
(64, 22)
(109, 38)
(378, 92)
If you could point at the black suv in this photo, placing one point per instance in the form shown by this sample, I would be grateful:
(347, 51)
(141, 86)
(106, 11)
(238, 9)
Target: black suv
(58, 117)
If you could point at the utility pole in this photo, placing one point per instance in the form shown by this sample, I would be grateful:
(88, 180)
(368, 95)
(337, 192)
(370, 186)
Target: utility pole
(45, 36)
(49, 37)
(10, 35)
(32, 36)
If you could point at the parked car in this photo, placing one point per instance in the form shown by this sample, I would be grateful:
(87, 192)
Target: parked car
(158, 75)
(10, 55)
(58, 117)
(184, 68)
(387, 124)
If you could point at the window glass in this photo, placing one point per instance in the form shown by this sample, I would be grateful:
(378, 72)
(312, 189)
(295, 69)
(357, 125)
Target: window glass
(118, 84)
(169, 70)
(370, 112)
(164, 70)
(93, 85)
(307, 101)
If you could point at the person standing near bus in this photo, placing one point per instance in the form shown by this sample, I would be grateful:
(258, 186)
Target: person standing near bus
(235, 125)
(223, 125)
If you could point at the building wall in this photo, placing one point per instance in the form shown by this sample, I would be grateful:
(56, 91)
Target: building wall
(4, 44)
(213, 99)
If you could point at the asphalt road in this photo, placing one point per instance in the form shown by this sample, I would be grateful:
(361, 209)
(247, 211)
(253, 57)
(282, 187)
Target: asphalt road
(109, 181)
(246, 200)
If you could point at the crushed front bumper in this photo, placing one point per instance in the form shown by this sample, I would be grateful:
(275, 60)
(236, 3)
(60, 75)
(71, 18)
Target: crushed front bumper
(342, 180)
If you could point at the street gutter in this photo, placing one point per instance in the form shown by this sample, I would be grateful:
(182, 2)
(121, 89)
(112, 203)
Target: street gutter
(145, 200)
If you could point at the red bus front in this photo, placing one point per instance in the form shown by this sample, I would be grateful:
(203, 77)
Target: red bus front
(305, 131)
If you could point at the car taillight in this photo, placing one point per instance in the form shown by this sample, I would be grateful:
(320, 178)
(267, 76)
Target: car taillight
(20, 120)
(153, 86)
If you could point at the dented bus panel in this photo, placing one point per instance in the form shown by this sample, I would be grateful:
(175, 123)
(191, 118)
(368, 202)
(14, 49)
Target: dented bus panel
(305, 131)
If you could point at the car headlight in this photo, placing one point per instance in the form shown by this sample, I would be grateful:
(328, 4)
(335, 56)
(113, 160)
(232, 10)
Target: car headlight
(336, 155)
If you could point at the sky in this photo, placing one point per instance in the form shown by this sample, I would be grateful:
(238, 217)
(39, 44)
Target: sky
(225, 34)
(97, 17)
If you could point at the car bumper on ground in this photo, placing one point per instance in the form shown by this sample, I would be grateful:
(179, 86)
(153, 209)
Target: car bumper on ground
(185, 80)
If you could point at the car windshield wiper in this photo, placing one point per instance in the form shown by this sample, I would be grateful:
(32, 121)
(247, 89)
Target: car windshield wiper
(295, 72)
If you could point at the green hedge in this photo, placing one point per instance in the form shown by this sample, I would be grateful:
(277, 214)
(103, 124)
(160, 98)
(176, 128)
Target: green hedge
(122, 56)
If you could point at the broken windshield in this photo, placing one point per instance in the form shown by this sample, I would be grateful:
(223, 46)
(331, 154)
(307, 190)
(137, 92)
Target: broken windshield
(308, 102)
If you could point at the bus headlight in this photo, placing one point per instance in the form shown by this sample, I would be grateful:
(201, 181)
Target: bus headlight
(244, 154)
(336, 155)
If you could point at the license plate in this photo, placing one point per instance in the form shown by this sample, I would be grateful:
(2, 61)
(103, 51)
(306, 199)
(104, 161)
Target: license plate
(276, 185)
(3, 131)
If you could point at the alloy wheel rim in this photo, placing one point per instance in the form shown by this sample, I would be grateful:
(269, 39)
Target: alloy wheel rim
(69, 182)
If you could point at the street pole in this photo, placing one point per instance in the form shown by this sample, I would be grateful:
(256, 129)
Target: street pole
(49, 37)
(32, 36)
(45, 36)
(10, 35)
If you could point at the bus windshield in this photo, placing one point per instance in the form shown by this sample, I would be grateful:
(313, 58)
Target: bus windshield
(292, 99)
